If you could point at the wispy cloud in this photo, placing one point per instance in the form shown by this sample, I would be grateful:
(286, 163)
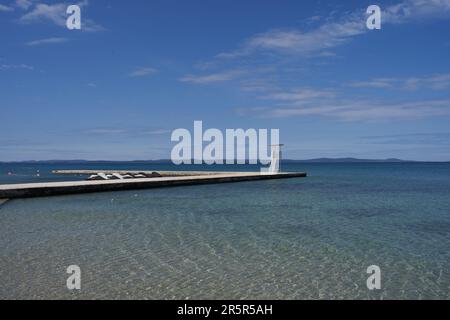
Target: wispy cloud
(309, 102)
(434, 82)
(257, 84)
(15, 66)
(413, 10)
(327, 54)
(105, 131)
(366, 110)
(5, 8)
(121, 131)
(56, 14)
(293, 41)
(439, 138)
(319, 38)
(373, 83)
(331, 34)
(300, 95)
(23, 4)
(211, 78)
(47, 41)
(156, 132)
(142, 72)
(289, 47)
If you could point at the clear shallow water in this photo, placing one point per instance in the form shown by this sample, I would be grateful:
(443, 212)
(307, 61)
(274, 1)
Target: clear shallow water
(307, 238)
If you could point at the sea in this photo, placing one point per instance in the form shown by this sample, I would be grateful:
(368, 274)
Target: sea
(302, 238)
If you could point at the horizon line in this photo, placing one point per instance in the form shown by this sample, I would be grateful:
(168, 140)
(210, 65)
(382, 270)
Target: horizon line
(330, 159)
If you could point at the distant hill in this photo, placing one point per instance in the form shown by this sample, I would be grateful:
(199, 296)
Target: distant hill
(346, 160)
(86, 161)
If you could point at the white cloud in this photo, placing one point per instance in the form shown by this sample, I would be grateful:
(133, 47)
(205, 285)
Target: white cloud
(290, 45)
(326, 36)
(410, 10)
(327, 54)
(56, 13)
(142, 72)
(374, 83)
(434, 82)
(23, 4)
(258, 84)
(126, 131)
(300, 95)
(90, 26)
(433, 138)
(47, 41)
(307, 102)
(366, 110)
(15, 66)
(331, 34)
(211, 78)
(4, 8)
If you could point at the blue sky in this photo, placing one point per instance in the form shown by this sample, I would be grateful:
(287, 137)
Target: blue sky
(139, 69)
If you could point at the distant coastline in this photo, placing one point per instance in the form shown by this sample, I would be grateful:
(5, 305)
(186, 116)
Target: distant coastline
(162, 161)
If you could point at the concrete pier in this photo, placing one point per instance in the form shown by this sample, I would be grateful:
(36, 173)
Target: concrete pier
(180, 179)
(123, 172)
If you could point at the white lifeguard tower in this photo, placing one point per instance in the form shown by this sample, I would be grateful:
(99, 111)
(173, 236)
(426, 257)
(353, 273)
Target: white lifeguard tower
(275, 164)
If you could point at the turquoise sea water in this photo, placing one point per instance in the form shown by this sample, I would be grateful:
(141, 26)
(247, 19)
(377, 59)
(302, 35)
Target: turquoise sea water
(307, 238)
